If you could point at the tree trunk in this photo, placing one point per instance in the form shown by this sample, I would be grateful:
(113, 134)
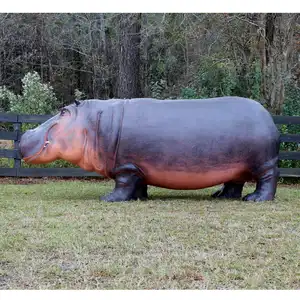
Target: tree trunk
(129, 56)
(101, 21)
(275, 43)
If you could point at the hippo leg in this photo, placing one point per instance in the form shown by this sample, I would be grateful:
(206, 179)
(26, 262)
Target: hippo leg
(128, 185)
(141, 192)
(230, 190)
(266, 186)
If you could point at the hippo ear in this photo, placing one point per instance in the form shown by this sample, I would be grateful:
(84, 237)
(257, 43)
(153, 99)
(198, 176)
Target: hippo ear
(77, 102)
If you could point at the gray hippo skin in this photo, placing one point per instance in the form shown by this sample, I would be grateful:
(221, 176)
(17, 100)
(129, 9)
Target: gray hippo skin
(174, 144)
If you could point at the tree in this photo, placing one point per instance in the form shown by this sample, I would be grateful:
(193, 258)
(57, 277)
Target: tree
(129, 56)
(276, 42)
(158, 55)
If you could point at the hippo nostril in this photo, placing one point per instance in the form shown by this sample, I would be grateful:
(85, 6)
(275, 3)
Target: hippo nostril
(46, 144)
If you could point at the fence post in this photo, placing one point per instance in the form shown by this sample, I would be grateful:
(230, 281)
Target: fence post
(17, 159)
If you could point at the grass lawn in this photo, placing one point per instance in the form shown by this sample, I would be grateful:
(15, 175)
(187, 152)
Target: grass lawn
(57, 235)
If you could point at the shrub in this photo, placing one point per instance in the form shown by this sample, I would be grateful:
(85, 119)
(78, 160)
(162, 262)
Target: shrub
(6, 96)
(157, 88)
(37, 97)
(79, 95)
(188, 93)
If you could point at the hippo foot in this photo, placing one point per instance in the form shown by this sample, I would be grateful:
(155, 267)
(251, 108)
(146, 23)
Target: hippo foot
(118, 195)
(129, 185)
(258, 197)
(229, 190)
(266, 185)
(125, 194)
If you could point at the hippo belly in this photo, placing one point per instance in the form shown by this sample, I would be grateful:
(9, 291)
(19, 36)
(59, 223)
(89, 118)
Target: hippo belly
(186, 180)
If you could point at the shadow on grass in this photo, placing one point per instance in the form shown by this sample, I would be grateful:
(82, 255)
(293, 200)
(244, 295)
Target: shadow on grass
(165, 197)
(152, 197)
(155, 194)
(172, 196)
(203, 197)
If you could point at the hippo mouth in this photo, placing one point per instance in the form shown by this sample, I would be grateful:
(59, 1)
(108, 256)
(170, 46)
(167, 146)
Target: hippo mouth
(34, 144)
(36, 155)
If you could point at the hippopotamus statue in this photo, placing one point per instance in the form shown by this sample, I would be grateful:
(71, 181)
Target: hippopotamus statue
(174, 144)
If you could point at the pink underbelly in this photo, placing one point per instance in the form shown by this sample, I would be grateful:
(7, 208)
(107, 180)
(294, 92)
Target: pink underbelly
(185, 180)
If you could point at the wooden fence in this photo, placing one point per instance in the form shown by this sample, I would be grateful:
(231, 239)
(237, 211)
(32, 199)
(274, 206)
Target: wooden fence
(18, 171)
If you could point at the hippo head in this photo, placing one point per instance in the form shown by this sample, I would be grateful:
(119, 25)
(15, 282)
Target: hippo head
(64, 136)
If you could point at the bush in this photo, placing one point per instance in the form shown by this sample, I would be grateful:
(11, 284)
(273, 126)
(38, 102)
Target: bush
(216, 78)
(6, 97)
(55, 164)
(188, 93)
(157, 89)
(253, 81)
(79, 95)
(37, 98)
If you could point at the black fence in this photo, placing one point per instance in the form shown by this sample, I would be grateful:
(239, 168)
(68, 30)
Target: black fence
(18, 171)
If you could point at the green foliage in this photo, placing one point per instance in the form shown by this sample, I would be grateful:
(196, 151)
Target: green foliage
(37, 97)
(188, 93)
(157, 88)
(291, 107)
(6, 162)
(6, 97)
(253, 78)
(55, 164)
(79, 95)
(216, 78)
(221, 77)
(284, 129)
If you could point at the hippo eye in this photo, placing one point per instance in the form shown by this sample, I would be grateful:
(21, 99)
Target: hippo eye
(63, 112)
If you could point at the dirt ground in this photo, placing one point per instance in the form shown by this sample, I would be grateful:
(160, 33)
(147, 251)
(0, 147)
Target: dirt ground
(4, 144)
(43, 180)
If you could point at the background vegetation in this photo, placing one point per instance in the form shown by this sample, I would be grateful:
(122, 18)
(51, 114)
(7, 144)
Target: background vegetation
(157, 55)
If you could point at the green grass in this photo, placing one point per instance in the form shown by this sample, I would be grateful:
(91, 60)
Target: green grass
(57, 235)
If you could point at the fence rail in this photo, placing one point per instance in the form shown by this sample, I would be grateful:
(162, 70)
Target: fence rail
(18, 171)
